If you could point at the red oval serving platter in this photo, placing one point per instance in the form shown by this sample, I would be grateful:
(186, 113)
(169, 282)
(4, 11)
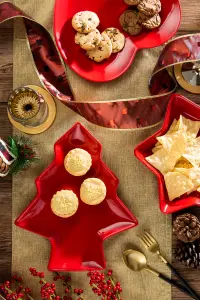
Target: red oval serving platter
(77, 241)
(109, 12)
(178, 105)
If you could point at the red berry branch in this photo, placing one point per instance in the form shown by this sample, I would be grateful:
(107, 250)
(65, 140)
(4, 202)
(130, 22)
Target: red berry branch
(105, 287)
(102, 285)
(20, 292)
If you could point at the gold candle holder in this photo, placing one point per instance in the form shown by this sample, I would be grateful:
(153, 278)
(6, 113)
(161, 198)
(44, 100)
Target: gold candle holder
(20, 122)
(27, 107)
(188, 76)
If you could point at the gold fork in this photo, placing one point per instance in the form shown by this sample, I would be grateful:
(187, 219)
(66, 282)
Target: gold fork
(152, 245)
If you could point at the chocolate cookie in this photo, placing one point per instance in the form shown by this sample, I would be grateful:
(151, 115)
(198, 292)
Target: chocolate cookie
(142, 17)
(153, 22)
(149, 7)
(129, 22)
(132, 2)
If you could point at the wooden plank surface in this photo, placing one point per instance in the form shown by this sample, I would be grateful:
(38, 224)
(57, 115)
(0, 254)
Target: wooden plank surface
(6, 78)
(190, 23)
(190, 16)
(6, 36)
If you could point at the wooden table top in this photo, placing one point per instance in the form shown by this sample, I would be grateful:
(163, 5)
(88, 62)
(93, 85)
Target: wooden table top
(190, 24)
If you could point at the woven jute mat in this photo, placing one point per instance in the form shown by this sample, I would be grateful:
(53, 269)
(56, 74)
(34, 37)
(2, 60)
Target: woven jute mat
(138, 187)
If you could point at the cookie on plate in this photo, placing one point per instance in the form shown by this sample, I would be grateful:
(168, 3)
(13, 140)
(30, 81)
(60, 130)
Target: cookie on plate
(132, 2)
(102, 51)
(153, 22)
(93, 191)
(117, 39)
(142, 17)
(129, 22)
(78, 162)
(85, 21)
(88, 41)
(64, 203)
(149, 7)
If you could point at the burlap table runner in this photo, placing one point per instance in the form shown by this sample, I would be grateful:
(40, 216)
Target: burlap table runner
(138, 187)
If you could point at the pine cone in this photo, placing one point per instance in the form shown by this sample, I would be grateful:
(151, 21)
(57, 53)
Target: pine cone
(187, 228)
(189, 254)
(3, 168)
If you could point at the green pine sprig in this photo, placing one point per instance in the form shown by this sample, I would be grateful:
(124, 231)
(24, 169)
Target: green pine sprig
(22, 148)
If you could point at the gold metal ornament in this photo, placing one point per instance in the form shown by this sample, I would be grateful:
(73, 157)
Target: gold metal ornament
(43, 122)
(188, 76)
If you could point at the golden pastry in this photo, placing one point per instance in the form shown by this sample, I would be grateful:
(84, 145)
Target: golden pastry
(93, 191)
(78, 162)
(64, 203)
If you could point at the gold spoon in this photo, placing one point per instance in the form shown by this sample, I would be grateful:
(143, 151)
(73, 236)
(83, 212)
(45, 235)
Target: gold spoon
(136, 261)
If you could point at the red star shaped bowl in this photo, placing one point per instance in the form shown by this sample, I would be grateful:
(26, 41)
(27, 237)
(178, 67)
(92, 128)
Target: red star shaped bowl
(178, 105)
(109, 12)
(76, 242)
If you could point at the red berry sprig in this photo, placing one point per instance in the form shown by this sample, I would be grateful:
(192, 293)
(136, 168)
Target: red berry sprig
(48, 290)
(68, 290)
(105, 287)
(6, 290)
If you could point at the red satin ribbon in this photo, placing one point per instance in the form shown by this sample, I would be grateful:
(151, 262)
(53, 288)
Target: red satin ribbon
(119, 114)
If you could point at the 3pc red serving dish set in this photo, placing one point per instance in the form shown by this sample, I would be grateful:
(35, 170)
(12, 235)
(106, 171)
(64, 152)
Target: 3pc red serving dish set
(91, 225)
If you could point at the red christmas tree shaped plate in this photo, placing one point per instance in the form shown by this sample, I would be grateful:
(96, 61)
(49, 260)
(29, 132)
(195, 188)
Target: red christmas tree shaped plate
(178, 105)
(77, 242)
(109, 12)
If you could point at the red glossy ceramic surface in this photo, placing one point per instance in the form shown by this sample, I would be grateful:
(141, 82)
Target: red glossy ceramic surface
(109, 12)
(178, 105)
(77, 242)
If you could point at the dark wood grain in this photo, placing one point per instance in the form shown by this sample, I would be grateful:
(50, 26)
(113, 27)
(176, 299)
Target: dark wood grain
(6, 79)
(6, 67)
(190, 24)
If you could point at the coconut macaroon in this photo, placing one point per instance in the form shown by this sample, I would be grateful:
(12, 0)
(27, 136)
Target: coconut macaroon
(93, 191)
(64, 203)
(78, 162)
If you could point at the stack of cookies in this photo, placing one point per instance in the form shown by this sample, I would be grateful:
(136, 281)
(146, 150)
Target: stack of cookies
(98, 46)
(142, 14)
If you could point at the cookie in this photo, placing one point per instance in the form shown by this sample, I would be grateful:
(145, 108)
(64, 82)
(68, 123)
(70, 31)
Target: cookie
(85, 21)
(142, 17)
(149, 7)
(93, 191)
(2, 167)
(64, 203)
(129, 22)
(5, 171)
(88, 41)
(153, 22)
(117, 39)
(78, 162)
(132, 2)
(102, 51)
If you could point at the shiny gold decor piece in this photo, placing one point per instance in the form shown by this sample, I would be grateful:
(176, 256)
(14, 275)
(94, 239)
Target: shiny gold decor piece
(45, 122)
(24, 104)
(188, 76)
